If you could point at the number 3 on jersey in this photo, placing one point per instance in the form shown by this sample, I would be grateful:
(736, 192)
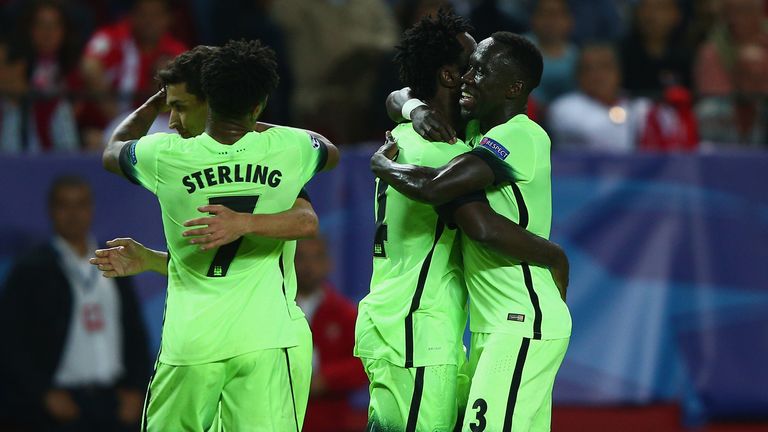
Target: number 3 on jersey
(381, 228)
(226, 254)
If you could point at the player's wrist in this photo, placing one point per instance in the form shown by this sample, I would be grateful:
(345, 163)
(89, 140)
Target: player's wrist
(247, 224)
(410, 106)
(154, 261)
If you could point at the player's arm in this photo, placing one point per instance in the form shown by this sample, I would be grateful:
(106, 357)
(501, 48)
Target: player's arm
(135, 126)
(478, 221)
(225, 225)
(127, 257)
(464, 174)
(430, 124)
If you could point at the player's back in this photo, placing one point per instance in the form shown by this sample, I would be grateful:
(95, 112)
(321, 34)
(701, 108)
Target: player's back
(414, 314)
(507, 296)
(230, 300)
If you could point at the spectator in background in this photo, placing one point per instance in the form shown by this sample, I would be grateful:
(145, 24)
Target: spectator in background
(597, 116)
(335, 48)
(488, 16)
(75, 356)
(45, 58)
(704, 17)
(653, 56)
(551, 25)
(122, 60)
(730, 76)
(598, 20)
(336, 373)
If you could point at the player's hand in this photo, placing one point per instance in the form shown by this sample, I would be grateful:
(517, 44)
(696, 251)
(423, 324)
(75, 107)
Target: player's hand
(431, 125)
(124, 257)
(561, 274)
(225, 226)
(158, 100)
(385, 153)
(130, 405)
(61, 406)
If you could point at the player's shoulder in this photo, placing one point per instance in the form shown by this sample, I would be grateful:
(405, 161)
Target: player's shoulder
(285, 135)
(419, 150)
(161, 140)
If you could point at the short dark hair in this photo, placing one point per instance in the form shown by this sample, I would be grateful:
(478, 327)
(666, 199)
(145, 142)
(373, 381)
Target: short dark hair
(185, 68)
(525, 57)
(239, 76)
(64, 181)
(426, 47)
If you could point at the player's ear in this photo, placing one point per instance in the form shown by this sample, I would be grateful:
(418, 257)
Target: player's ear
(450, 77)
(515, 89)
(260, 109)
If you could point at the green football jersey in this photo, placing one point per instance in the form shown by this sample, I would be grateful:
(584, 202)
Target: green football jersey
(240, 297)
(415, 313)
(505, 296)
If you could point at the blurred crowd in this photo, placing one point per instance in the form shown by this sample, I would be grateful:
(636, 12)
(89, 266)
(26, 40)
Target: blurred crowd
(620, 75)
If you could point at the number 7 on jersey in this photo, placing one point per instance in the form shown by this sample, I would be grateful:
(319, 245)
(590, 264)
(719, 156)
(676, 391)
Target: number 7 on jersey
(226, 254)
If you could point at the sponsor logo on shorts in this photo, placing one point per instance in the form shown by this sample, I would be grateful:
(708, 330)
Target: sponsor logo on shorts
(515, 317)
(495, 147)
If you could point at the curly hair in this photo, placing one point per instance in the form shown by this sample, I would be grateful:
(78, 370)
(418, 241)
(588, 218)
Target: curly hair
(428, 46)
(185, 68)
(524, 56)
(239, 76)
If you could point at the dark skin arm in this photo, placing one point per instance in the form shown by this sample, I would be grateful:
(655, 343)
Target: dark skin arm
(428, 123)
(479, 222)
(462, 175)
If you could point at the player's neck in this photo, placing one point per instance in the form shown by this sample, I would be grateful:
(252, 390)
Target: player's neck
(501, 115)
(227, 130)
(446, 103)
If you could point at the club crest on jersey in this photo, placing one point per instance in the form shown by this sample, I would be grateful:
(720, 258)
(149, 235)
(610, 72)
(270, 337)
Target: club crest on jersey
(495, 147)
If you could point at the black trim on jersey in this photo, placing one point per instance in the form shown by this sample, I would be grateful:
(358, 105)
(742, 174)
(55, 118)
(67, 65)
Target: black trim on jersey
(126, 161)
(522, 209)
(523, 222)
(418, 389)
(380, 235)
(304, 195)
(514, 388)
(534, 300)
(447, 210)
(290, 384)
(501, 171)
(323, 149)
(145, 409)
(417, 296)
(282, 271)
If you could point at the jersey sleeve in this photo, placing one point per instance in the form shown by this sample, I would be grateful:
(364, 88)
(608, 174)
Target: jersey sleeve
(139, 160)
(509, 152)
(310, 153)
(447, 210)
(303, 194)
